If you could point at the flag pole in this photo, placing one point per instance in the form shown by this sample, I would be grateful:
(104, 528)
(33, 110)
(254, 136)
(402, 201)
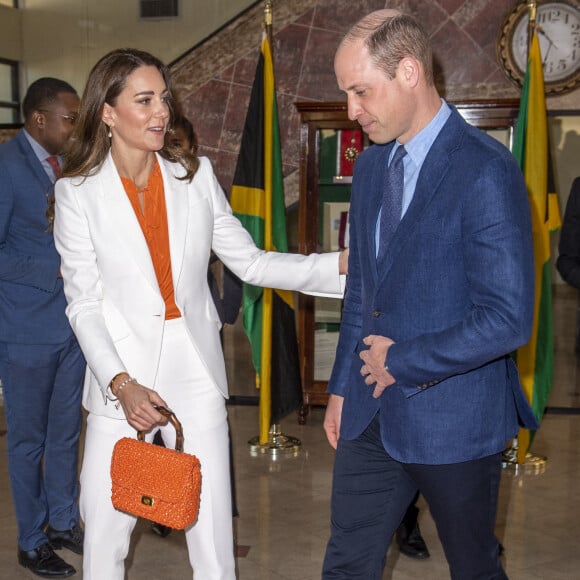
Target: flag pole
(516, 457)
(277, 442)
(268, 8)
(531, 23)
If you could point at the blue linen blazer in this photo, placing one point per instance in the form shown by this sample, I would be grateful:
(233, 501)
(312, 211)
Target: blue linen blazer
(455, 292)
(32, 301)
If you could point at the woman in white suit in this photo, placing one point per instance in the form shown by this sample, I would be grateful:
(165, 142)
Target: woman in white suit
(135, 222)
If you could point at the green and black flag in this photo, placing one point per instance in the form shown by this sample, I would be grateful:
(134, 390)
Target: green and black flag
(257, 199)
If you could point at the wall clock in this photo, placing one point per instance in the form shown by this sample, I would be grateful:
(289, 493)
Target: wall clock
(559, 35)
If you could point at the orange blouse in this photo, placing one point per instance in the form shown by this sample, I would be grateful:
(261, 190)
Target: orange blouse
(153, 221)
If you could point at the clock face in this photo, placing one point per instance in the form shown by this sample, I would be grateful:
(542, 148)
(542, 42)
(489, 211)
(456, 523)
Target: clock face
(558, 29)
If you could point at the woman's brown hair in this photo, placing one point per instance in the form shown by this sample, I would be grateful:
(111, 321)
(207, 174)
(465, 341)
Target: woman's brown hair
(90, 143)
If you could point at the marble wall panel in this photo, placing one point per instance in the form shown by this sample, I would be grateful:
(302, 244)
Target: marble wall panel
(306, 18)
(215, 79)
(289, 130)
(450, 6)
(429, 14)
(452, 50)
(206, 110)
(235, 118)
(289, 52)
(340, 15)
(224, 165)
(318, 81)
(468, 11)
(227, 74)
(245, 69)
(483, 29)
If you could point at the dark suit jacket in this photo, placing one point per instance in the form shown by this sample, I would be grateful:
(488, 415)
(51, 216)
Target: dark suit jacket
(455, 292)
(568, 262)
(32, 302)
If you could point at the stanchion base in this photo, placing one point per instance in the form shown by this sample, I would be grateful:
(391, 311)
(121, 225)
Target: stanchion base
(277, 444)
(534, 464)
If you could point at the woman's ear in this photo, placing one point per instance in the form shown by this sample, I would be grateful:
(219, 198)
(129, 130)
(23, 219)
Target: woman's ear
(107, 115)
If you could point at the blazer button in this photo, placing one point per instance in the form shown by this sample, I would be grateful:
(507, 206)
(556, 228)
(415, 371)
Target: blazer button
(376, 313)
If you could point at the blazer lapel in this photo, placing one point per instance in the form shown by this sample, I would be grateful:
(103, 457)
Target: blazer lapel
(375, 200)
(32, 161)
(125, 224)
(177, 204)
(433, 171)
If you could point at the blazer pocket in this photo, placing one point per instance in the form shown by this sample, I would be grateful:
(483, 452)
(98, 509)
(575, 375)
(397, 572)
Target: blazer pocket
(410, 391)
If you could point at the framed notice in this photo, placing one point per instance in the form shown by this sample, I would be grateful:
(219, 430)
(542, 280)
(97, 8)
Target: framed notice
(334, 225)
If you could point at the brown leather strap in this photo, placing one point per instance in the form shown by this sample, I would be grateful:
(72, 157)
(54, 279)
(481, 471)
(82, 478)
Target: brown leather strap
(174, 421)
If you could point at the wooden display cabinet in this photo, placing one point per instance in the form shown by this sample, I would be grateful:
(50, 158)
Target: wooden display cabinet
(318, 121)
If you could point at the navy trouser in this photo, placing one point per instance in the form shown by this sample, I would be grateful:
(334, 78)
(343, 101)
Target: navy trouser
(371, 492)
(42, 387)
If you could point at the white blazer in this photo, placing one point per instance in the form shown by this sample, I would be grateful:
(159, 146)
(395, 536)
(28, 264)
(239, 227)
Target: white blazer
(114, 304)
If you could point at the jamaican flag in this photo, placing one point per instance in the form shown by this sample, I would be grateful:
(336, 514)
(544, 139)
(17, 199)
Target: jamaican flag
(536, 359)
(257, 199)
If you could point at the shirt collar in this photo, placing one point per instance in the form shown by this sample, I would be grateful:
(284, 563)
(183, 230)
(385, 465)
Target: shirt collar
(38, 149)
(418, 147)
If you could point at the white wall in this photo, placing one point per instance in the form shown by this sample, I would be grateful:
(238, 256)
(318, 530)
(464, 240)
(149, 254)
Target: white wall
(64, 38)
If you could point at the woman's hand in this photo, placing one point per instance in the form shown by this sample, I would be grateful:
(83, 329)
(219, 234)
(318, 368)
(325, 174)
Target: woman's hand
(343, 261)
(137, 402)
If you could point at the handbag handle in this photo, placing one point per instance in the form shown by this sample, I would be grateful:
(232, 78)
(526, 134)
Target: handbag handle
(174, 421)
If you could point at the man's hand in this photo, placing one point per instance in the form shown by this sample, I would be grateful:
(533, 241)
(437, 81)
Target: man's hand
(374, 360)
(332, 419)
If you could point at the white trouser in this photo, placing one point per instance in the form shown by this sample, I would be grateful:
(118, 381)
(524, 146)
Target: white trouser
(184, 384)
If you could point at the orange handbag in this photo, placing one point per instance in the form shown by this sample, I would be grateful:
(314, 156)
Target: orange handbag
(152, 482)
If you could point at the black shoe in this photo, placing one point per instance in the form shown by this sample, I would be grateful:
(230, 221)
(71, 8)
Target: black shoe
(160, 529)
(412, 544)
(42, 561)
(71, 539)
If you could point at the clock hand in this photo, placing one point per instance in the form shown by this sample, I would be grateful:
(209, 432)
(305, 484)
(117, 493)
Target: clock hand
(543, 33)
(550, 42)
(547, 53)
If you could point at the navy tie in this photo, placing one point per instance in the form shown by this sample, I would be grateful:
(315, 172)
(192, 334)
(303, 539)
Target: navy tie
(392, 200)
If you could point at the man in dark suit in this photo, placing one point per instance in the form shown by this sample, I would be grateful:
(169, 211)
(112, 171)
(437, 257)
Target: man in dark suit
(568, 263)
(424, 395)
(41, 365)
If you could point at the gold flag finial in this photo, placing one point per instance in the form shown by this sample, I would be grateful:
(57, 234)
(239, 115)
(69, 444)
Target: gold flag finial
(268, 8)
(268, 12)
(532, 23)
(532, 9)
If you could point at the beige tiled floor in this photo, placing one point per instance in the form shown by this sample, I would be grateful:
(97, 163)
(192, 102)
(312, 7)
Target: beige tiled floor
(284, 503)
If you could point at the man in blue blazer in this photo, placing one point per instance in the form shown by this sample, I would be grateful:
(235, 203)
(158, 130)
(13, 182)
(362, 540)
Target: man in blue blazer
(41, 365)
(424, 394)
